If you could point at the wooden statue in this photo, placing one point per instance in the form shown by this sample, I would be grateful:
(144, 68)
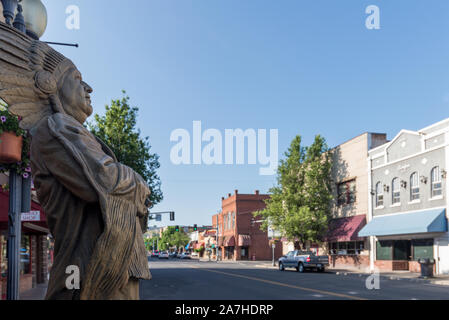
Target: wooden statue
(96, 207)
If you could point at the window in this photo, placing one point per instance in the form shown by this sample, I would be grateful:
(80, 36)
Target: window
(436, 185)
(379, 195)
(414, 186)
(25, 255)
(346, 248)
(3, 260)
(395, 191)
(422, 249)
(346, 193)
(384, 250)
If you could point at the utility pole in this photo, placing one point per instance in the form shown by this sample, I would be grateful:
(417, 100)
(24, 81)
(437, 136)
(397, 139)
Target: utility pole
(216, 242)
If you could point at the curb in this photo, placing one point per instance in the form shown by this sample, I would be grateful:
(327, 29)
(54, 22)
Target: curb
(434, 281)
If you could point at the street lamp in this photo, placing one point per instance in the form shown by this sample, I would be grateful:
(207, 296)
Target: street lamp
(35, 15)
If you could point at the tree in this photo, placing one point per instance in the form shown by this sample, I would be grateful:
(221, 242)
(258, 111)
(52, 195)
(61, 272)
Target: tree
(173, 238)
(117, 128)
(299, 206)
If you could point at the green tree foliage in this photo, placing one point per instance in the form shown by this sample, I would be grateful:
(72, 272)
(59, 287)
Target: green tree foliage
(299, 206)
(149, 243)
(173, 238)
(117, 128)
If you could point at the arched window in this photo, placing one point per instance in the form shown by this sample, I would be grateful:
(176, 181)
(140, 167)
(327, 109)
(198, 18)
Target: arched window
(379, 195)
(395, 191)
(436, 185)
(414, 186)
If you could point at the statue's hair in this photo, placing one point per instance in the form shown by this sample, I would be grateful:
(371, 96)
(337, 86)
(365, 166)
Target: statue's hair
(29, 74)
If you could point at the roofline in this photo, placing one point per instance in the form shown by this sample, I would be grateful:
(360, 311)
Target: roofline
(366, 132)
(434, 125)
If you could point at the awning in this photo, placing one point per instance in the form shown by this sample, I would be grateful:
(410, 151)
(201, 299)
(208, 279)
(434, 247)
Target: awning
(407, 223)
(244, 240)
(229, 242)
(187, 246)
(346, 229)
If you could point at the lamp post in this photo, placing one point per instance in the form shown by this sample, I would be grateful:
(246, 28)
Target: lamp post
(20, 187)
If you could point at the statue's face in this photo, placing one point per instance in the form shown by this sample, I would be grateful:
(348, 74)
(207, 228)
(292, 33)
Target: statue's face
(75, 96)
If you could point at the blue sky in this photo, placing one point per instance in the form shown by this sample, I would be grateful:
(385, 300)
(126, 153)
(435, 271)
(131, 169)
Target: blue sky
(302, 67)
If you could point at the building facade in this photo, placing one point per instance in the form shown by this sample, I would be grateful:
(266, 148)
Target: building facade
(350, 206)
(239, 233)
(408, 196)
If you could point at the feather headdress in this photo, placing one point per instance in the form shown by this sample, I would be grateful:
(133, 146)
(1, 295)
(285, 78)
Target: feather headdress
(30, 73)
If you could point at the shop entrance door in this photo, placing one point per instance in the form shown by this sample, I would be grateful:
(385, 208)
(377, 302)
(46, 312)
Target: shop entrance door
(402, 251)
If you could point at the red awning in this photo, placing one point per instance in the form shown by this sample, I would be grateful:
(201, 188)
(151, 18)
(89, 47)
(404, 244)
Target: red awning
(346, 229)
(230, 242)
(244, 240)
(27, 226)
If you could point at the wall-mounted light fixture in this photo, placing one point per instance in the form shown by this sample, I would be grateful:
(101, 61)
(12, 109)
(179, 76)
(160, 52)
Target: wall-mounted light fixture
(386, 188)
(443, 173)
(403, 184)
(423, 179)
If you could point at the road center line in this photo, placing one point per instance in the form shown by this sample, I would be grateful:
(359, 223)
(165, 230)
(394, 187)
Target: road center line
(282, 284)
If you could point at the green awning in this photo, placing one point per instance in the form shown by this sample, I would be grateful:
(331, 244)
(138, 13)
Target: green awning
(425, 221)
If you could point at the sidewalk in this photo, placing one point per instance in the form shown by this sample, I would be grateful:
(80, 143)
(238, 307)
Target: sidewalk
(37, 293)
(397, 275)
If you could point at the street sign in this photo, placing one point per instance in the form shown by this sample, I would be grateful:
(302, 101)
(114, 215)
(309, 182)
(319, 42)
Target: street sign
(31, 216)
(158, 217)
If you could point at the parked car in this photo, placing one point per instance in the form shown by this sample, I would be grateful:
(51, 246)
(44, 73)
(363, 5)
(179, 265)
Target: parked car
(154, 254)
(173, 255)
(185, 255)
(302, 260)
(195, 255)
(163, 255)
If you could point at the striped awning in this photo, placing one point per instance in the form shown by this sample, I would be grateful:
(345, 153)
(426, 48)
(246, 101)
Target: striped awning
(244, 240)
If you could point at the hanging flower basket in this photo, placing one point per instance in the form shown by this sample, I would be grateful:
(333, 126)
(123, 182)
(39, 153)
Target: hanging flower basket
(14, 144)
(10, 147)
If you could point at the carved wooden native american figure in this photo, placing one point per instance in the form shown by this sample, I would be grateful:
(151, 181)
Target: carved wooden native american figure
(96, 207)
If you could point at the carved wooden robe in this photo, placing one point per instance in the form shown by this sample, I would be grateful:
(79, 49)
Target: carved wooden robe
(95, 210)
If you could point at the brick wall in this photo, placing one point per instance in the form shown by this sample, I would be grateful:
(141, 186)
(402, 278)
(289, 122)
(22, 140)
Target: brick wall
(42, 255)
(359, 262)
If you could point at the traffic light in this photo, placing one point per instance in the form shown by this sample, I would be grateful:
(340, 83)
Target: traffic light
(177, 228)
(195, 227)
(172, 216)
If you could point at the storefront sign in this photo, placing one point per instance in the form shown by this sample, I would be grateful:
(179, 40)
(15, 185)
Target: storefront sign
(31, 216)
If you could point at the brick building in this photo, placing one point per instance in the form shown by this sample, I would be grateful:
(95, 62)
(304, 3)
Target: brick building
(239, 233)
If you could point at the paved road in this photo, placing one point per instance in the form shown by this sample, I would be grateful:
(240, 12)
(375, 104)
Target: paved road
(193, 280)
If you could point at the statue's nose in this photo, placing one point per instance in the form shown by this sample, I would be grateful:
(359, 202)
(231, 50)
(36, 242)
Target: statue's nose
(87, 87)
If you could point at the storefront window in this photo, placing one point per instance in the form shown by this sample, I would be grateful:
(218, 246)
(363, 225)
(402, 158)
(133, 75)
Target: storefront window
(384, 250)
(3, 260)
(423, 249)
(25, 255)
(346, 248)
